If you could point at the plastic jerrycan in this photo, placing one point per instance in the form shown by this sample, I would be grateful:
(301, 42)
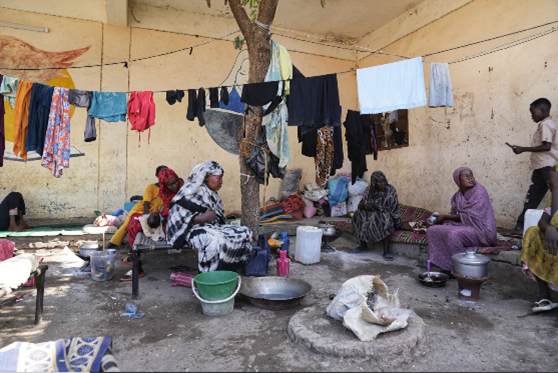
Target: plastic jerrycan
(308, 244)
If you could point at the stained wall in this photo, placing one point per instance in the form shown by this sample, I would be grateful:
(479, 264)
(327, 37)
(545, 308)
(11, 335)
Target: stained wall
(492, 96)
(113, 168)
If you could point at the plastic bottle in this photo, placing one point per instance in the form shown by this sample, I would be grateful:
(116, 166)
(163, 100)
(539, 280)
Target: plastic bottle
(283, 264)
(286, 242)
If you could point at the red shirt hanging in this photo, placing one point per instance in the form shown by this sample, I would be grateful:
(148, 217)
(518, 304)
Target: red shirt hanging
(141, 112)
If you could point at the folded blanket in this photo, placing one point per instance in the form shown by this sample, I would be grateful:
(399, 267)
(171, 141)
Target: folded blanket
(15, 272)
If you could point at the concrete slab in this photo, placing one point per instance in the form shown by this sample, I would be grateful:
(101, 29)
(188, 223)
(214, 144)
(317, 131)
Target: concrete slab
(322, 334)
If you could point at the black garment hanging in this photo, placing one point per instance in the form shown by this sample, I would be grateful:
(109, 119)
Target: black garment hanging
(192, 105)
(359, 143)
(201, 106)
(314, 102)
(225, 95)
(174, 96)
(214, 98)
(309, 142)
(338, 156)
(39, 109)
(259, 94)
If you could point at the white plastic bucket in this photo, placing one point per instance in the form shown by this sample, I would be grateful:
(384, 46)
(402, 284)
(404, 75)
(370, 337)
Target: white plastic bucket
(217, 307)
(532, 218)
(308, 244)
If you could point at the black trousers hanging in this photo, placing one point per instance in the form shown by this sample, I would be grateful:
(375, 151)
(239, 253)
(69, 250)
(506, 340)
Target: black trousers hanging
(12, 201)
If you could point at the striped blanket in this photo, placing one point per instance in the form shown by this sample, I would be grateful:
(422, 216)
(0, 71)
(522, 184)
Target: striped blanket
(412, 214)
(272, 215)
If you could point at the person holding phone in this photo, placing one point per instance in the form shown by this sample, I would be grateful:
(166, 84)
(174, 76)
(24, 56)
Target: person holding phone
(544, 154)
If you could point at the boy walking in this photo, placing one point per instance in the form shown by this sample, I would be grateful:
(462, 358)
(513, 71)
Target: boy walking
(544, 154)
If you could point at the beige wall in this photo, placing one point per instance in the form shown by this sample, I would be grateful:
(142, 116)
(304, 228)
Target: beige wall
(503, 85)
(114, 167)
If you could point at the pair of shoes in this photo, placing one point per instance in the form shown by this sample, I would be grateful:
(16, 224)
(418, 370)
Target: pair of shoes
(538, 307)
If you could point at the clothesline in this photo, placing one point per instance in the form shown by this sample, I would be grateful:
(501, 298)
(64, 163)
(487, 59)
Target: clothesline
(127, 62)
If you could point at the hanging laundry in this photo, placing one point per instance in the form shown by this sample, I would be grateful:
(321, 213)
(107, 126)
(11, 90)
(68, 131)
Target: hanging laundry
(141, 112)
(308, 141)
(259, 94)
(2, 133)
(233, 102)
(338, 156)
(314, 102)
(440, 89)
(39, 109)
(192, 105)
(286, 66)
(324, 155)
(398, 85)
(21, 117)
(359, 144)
(276, 122)
(213, 98)
(393, 116)
(373, 137)
(83, 99)
(56, 154)
(225, 95)
(201, 106)
(173, 96)
(8, 88)
(109, 106)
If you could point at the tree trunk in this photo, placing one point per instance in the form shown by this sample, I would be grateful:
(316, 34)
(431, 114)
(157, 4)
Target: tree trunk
(259, 52)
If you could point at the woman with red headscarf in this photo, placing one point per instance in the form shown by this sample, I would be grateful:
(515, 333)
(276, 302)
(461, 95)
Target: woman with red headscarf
(169, 185)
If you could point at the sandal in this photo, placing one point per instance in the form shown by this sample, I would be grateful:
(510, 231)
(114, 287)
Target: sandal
(127, 261)
(128, 276)
(357, 250)
(537, 307)
(388, 257)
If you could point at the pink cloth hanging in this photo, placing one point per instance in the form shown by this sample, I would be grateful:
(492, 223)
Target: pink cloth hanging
(141, 112)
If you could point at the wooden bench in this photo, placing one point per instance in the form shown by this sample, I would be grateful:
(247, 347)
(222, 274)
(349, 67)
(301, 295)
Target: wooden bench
(39, 274)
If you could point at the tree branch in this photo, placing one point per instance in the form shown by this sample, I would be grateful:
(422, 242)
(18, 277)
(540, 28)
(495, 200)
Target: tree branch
(241, 18)
(267, 11)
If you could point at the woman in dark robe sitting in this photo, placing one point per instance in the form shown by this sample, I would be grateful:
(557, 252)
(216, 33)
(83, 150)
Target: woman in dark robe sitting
(12, 210)
(378, 216)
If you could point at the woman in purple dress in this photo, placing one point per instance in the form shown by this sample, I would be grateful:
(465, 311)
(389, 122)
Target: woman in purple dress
(470, 224)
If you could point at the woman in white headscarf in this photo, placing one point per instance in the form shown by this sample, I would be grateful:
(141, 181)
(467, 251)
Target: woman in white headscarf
(197, 220)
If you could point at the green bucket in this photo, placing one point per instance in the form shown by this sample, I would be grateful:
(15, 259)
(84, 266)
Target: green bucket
(216, 285)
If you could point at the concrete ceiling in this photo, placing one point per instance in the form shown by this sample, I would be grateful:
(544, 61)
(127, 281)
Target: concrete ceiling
(345, 19)
(342, 19)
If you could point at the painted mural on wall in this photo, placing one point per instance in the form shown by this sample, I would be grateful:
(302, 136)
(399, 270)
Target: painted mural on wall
(17, 53)
(224, 123)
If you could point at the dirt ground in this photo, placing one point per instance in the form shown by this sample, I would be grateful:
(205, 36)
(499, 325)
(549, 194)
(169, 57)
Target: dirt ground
(498, 333)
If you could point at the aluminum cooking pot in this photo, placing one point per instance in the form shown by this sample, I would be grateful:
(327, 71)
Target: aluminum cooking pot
(471, 264)
(88, 247)
(329, 230)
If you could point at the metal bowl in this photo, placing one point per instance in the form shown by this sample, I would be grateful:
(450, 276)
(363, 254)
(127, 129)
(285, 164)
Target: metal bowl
(436, 279)
(275, 293)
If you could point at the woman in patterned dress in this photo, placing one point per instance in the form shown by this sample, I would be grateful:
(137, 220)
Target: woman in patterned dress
(378, 216)
(197, 220)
